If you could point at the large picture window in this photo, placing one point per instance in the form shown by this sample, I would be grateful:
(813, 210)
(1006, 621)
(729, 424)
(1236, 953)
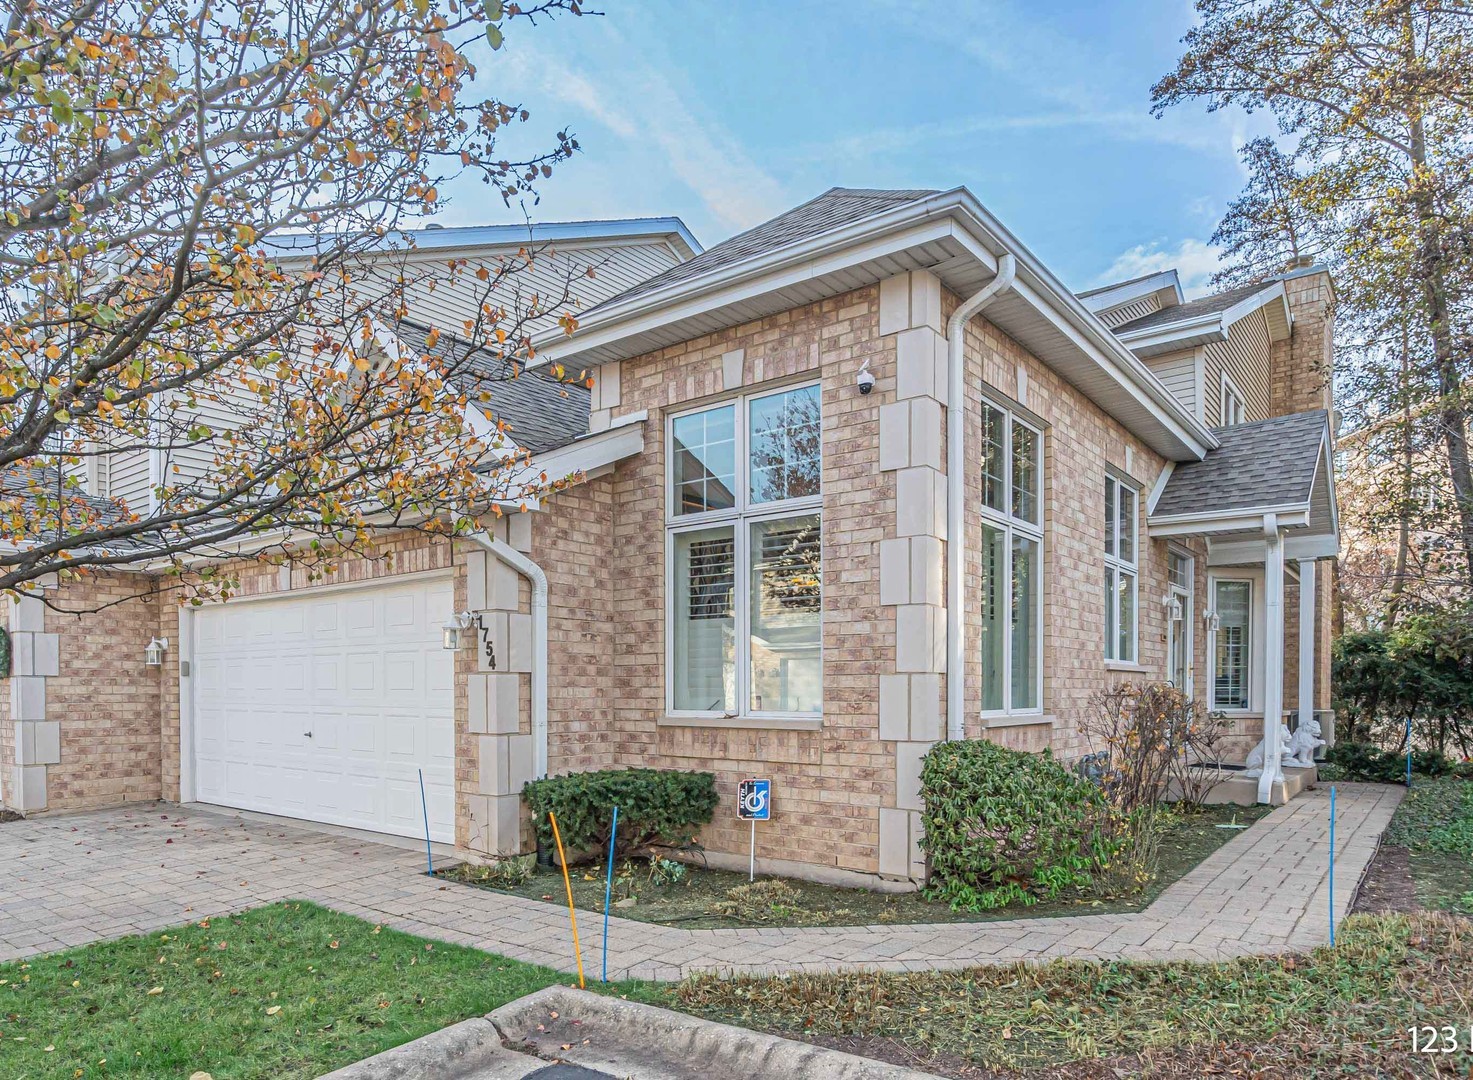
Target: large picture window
(745, 564)
(1012, 563)
(1231, 659)
(1121, 578)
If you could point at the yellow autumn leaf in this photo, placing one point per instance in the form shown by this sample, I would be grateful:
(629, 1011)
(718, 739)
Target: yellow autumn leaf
(156, 991)
(272, 1010)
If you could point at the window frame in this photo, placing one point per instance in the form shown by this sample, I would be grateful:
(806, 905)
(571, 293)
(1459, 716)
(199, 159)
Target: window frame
(740, 517)
(1187, 595)
(1250, 646)
(1116, 565)
(1230, 392)
(1009, 525)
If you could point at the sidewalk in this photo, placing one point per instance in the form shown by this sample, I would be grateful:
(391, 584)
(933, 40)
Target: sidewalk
(78, 878)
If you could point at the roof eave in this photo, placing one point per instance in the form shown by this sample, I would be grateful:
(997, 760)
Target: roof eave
(960, 215)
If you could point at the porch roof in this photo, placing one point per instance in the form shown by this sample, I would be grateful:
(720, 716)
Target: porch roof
(1278, 467)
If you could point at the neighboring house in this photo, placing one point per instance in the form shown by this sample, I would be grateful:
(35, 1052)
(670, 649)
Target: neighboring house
(753, 575)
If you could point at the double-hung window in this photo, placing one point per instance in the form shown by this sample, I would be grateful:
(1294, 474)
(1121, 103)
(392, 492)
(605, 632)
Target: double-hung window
(744, 565)
(1012, 563)
(1120, 571)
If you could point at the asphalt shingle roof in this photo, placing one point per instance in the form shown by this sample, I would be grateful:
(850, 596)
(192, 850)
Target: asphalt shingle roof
(1206, 305)
(1264, 463)
(543, 413)
(835, 207)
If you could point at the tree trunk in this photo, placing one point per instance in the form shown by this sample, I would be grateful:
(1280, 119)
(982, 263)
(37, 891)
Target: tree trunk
(1433, 283)
(1404, 500)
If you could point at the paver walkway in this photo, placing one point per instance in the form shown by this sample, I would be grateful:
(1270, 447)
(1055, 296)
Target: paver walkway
(73, 879)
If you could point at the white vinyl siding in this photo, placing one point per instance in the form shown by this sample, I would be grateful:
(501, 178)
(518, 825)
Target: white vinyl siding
(1179, 374)
(128, 479)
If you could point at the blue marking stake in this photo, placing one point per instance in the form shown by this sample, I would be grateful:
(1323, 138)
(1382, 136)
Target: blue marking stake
(1332, 866)
(608, 891)
(425, 806)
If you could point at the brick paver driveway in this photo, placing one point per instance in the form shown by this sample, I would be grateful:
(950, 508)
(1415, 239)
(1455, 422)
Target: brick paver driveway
(77, 878)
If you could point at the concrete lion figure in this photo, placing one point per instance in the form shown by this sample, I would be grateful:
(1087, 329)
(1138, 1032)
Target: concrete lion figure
(1300, 749)
(1254, 765)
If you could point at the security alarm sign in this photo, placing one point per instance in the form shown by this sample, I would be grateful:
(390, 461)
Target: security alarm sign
(754, 800)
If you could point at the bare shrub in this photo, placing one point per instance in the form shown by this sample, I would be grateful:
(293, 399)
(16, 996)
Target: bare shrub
(1151, 742)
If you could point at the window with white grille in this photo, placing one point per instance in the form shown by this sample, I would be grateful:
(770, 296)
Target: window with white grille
(745, 542)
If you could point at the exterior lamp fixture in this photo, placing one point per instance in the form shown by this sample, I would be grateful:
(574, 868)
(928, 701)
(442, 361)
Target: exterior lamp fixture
(453, 634)
(1213, 622)
(153, 652)
(1173, 608)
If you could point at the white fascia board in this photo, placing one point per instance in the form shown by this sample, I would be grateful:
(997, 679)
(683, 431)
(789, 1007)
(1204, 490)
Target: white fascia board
(286, 249)
(642, 318)
(1213, 326)
(624, 440)
(1159, 487)
(914, 223)
(1113, 296)
(1290, 516)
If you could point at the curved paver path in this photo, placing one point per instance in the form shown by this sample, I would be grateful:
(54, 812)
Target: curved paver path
(76, 878)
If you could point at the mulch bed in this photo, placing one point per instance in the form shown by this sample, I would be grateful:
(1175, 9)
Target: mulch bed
(1388, 884)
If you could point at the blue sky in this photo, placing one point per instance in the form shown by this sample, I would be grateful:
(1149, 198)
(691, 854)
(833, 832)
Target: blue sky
(726, 114)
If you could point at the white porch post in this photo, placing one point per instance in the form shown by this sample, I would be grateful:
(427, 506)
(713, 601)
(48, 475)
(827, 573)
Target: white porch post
(1273, 657)
(1307, 627)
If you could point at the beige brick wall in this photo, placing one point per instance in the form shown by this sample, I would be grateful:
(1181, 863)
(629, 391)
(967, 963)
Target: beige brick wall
(107, 702)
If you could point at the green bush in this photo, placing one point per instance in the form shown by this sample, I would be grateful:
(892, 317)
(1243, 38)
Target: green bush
(1360, 761)
(657, 808)
(1003, 826)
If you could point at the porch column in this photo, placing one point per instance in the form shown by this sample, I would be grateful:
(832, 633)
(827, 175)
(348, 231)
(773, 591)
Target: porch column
(1273, 657)
(1307, 627)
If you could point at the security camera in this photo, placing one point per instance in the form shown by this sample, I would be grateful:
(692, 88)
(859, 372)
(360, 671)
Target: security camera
(864, 379)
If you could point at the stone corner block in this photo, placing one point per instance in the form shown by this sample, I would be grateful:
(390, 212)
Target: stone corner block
(920, 638)
(894, 436)
(894, 705)
(519, 642)
(915, 363)
(895, 571)
(908, 774)
(926, 710)
(519, 531)
(496, 824)
(925, 300)
(920, 502)
(895, 304)
(733, 369)
(894, 843)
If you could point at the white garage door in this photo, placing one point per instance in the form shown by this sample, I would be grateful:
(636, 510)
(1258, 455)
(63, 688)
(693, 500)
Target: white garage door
(326, 707)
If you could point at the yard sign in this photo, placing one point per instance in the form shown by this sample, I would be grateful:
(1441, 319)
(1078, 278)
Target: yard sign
(754, 804)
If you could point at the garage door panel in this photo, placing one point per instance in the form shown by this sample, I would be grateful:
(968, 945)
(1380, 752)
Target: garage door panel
(363, 672)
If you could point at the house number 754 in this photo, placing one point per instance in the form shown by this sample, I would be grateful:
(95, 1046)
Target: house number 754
(486, 641)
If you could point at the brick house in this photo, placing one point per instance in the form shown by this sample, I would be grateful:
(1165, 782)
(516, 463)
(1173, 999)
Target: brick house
(753, 575)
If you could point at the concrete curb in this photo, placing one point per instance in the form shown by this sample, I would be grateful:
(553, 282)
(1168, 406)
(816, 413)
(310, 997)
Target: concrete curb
(469, 1049)
(625, 1038)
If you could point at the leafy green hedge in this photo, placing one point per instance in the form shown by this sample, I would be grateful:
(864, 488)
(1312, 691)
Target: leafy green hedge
(1360, 761)
(657, 807)
(1003, 826)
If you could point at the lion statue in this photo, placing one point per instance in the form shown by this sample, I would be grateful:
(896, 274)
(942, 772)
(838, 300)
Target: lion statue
(1254, 765)
(1306, 740)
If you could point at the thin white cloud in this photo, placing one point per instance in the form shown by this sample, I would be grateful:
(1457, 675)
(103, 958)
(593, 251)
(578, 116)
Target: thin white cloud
(1194, 261)
(635, 102)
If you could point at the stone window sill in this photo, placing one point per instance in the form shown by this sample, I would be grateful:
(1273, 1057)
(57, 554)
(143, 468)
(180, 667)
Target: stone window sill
(751, 723)
(1121, 665)
(1020, 720)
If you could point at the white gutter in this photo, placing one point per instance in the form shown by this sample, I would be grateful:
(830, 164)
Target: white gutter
(956, 489)
(533, 573)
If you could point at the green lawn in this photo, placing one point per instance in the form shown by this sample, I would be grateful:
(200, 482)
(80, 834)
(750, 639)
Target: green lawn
(1330, 1013)
(290, 990)
(1435, 825)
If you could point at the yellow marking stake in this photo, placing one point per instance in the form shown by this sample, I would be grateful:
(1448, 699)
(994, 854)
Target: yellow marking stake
(568, 884)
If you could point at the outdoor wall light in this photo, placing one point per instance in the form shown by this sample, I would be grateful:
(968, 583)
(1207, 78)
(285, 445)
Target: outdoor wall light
(1213, 622)
(153, 652)
(1173, 608)
(454, 634)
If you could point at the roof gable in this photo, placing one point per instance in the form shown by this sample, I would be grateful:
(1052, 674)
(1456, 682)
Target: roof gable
(835, 207)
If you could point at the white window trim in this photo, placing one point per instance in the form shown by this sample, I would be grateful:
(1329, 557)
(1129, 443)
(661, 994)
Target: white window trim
(1187, 595)
(1228, 390)
(1256, 630)
(740, 517)
(1132, 567)
(1008, 525)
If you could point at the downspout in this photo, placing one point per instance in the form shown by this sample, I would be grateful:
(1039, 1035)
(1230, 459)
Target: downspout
(533, 573)
(956, 489)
